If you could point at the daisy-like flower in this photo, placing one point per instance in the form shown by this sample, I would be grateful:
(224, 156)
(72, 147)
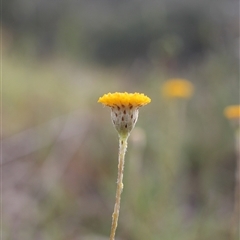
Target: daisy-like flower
(177, 88)
(124, 109)
(124, 114)
(232, 112)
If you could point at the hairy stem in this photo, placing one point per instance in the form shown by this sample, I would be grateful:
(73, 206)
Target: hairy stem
(121, 156)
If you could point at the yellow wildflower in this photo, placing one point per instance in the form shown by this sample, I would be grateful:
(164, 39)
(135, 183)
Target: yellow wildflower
(124, 109)
(177, 88)
(232, 112)
(124, 114)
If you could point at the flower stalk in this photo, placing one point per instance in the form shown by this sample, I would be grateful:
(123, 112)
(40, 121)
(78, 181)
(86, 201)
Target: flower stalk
(232, 112)
(236, 207)
(121, 160)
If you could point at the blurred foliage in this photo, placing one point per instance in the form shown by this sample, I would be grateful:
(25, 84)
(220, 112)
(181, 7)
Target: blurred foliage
(118, 32)
(59, 148)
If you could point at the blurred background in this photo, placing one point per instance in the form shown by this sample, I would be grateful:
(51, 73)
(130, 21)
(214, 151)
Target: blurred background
(60, 149)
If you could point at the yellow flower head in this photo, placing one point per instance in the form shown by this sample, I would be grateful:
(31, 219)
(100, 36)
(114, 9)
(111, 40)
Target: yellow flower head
(124, 109)
(232, 112)
(127, 99)
(177, 88)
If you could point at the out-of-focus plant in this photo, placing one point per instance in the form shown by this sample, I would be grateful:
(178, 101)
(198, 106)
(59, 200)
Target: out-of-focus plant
(124, 115)
(233, 114)
(177, 88)
(175, 95)
(175, 92)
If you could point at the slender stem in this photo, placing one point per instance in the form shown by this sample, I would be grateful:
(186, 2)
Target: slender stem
(236, 210)
(121, 156)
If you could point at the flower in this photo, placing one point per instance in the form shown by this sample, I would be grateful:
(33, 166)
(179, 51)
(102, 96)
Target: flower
(124, 109)
(124, 114)
(232, 112)
(177, 88)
